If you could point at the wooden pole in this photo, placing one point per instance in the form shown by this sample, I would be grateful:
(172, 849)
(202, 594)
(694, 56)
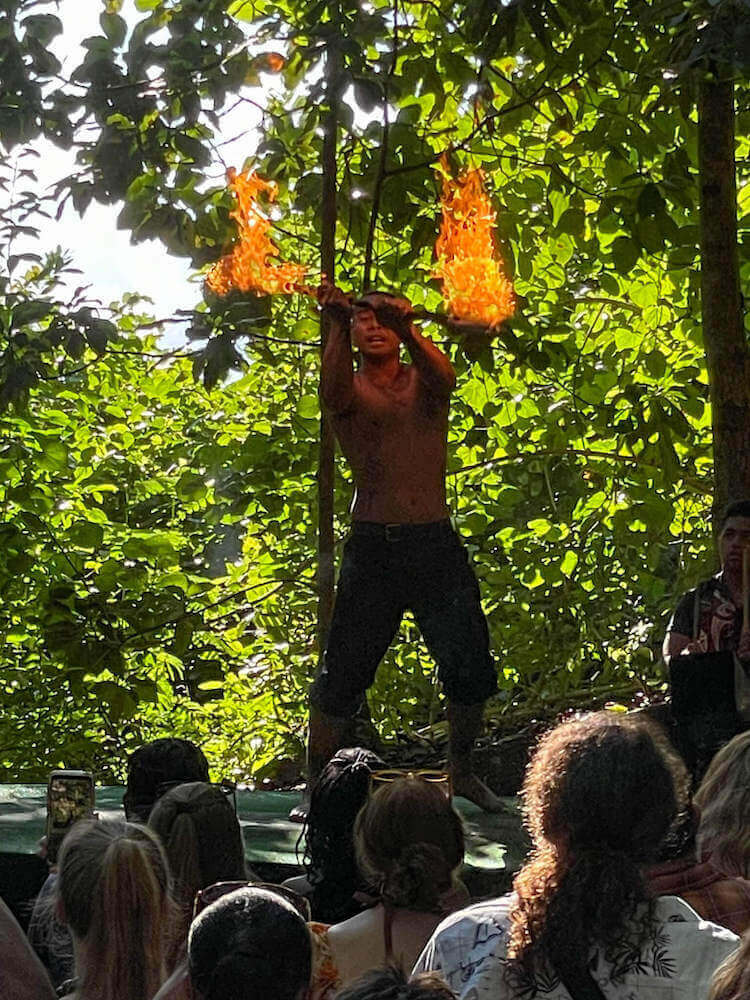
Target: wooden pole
(327, 447)
(746, 589)
(723, 329)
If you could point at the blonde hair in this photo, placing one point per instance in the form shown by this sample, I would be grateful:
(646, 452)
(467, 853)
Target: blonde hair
(114, 887)
(723, 800)
(731, 981)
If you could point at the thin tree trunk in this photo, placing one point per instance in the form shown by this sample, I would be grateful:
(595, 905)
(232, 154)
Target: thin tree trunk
(325, 573)
(723, 330)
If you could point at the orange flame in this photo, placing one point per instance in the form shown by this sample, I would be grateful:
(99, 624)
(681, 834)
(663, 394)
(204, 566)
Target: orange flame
(475, 287)
(249, 266)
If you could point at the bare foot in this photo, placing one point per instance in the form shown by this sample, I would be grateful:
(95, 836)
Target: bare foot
(469, 786)
(299, 813)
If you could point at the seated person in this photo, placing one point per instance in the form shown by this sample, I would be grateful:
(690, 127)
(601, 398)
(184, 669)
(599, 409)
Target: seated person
(200, 832)
(151, 768)
(113, 891)
(332, 882)
(724, 804)
(391, 984)
(22, 976)
(410, 842)
(715, 896)
(249, 944)
(600, 795)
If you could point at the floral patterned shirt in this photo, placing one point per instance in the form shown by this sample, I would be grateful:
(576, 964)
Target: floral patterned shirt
(718, 623)
(676, 963)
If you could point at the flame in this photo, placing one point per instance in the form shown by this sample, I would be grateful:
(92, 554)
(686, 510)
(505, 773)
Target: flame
(249, 266)
(475, 287)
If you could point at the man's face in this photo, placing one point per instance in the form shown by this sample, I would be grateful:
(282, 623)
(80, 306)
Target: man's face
(735, 536)
(372, 339)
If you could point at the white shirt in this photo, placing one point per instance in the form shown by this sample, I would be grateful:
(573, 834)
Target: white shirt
(676, 962)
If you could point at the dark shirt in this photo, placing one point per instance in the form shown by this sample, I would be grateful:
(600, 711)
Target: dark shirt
(49, 938)
(718, 623)
(717, 897)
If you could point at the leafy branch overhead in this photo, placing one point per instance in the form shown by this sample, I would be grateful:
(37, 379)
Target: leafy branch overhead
(157, 536)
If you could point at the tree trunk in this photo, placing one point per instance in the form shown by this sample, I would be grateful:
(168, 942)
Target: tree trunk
(723, 327)
(325, 572)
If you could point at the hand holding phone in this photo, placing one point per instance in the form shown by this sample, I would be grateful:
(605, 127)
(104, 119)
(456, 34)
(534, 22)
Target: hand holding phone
(70, 797)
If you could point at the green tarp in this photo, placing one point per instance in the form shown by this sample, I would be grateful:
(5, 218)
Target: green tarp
(495, 844)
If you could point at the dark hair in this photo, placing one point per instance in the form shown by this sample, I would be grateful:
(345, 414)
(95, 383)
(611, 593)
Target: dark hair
(410, 839)
(391, 983)
(201, 834)
(162, 761)
(737, 508)
(599, 797)
(328, 834)
(249, 945)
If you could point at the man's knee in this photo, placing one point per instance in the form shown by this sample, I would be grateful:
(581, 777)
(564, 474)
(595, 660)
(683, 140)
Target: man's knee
(469, 684)
(333, 698)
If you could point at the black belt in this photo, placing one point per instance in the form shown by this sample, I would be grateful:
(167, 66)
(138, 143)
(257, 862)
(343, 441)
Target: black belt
(402, 532)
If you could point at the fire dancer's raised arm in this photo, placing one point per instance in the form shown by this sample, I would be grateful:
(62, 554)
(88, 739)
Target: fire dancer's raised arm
(433, 366)
(337, 370)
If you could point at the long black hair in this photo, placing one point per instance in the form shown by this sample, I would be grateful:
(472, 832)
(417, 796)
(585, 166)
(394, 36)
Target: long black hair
(328, 834)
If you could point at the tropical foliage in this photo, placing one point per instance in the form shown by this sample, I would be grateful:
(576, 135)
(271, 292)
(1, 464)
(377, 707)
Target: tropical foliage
(157, 566)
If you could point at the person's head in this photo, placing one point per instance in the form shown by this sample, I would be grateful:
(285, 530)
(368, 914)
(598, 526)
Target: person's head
(723, 799)
(734, 535)
(162, 762)
(600, 795)
(731, 981)
(201, 834)
(370, 335)
(114, 894)
(250, 945)
(336, 798)
(409, 841)
(391, 983)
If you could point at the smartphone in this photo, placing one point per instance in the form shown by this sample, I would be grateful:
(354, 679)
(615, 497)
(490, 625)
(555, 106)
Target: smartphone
(70, 797)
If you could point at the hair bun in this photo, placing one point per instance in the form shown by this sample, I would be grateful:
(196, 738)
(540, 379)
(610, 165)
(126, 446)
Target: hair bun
(418, 878)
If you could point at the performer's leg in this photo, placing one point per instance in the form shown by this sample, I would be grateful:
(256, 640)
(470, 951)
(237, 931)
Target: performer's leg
(465, 725)
(366, 614)
(446, 604)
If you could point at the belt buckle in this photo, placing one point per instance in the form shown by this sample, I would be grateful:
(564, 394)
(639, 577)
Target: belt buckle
(389, 529)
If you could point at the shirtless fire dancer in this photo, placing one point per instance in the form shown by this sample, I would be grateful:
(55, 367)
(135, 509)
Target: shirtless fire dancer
(391, 421)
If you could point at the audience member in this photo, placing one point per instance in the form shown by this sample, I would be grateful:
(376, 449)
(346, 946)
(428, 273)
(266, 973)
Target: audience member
(114, 893)
(22, 976)
(600, 796)
(409, 842)
(152, 769)
(48, 936)
(249, 944)
(732, 978)
(391, 983)
(723, 899)
(723, 799)
(332, 881)
(201, 834)
(157, 766)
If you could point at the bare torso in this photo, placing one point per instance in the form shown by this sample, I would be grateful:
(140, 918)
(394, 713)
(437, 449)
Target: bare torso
(394, 437)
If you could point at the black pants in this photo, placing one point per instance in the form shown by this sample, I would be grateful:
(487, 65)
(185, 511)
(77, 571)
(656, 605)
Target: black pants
(387, 569)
